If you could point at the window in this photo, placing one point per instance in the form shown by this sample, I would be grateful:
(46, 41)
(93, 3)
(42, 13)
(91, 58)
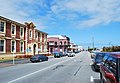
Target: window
(13, 29)
(30, 34)
(40, 36)
(55, 43)
(36, 35)
(21, 31)
(2, 43)
(111, 64)
(65, 43)
(13, 46)
(21, 46)
(60, 42)
(119, 68)
(105, 58)
(2, 26)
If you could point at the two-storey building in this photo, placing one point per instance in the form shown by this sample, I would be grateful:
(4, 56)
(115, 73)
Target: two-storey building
(12, 37)
(20, 39)
(36, 40)
(73, 47)
(58, 43)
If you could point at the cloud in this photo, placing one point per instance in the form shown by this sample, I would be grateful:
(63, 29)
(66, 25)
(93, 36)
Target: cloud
(22, 11)
(82, 13)
(96, 12)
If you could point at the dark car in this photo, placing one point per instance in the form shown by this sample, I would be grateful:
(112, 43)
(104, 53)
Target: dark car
(98, 59)
(110, 68)
(58, 54)
(39, 58)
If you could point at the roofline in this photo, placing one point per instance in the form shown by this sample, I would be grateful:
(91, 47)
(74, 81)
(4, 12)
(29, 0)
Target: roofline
(41, 31)
(11, 21)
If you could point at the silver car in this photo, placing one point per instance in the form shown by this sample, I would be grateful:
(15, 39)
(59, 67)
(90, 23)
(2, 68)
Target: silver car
(71, 54)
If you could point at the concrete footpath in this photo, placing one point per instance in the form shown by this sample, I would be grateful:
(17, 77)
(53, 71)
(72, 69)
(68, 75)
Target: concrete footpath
(16, 62)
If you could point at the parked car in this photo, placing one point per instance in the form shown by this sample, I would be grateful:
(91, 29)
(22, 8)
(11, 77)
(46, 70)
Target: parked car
(93, 53)
(98, 59)
(65, 53)
(39, 58)
(58, 54)
(71, 54)
(110, 68)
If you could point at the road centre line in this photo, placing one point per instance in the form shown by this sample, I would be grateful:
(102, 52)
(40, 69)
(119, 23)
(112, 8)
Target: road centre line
(39, 70)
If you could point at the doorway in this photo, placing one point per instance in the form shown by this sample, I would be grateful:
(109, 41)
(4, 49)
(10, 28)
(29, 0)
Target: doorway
(34, 49)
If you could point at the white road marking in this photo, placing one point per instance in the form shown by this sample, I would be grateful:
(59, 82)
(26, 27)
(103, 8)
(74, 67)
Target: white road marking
(91, 64)
(91, 79)
(39, 71)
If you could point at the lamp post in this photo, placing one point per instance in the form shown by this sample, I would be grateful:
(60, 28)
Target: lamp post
(93, 43)
(110, 45)
(13, 56)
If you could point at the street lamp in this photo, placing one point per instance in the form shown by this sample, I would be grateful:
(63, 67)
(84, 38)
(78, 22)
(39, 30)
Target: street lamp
(93, 42)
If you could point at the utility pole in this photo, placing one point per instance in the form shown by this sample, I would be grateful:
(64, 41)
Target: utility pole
(93, 42)
(110, 46)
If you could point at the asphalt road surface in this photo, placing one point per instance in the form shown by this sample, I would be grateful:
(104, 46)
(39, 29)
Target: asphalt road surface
(56, 70)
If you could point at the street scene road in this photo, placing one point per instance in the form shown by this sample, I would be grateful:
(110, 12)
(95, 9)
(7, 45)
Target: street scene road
(76, 69)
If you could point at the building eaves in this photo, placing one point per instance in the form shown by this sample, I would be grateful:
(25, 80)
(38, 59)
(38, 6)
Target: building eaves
(41, 31)
(11, 21)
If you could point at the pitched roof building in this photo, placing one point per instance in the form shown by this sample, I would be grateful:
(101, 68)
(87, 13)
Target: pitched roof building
(20, 39)
(58, 43)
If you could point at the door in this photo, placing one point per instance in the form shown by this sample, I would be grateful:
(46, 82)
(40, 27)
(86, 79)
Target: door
(34, 49)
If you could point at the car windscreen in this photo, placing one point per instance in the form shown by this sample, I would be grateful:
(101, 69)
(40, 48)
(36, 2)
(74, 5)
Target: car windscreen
(99, 56)
(56, 53)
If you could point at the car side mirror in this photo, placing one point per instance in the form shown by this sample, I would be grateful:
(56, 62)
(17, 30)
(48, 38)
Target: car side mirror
(110, 76)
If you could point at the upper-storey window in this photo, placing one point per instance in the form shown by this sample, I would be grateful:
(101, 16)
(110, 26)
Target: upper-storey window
(2, 45)
(2, 26)
(13, 29)
(65, 43)
(21, 31)
(60, 42)
(55, 43)
(36, 35)
(40, 36)
(30, 34)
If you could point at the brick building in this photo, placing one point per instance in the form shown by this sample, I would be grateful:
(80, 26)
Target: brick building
(12, 37)
(36, 40)
(58, 43)
(20, 39)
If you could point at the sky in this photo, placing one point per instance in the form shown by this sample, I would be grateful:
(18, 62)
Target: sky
(83, 21)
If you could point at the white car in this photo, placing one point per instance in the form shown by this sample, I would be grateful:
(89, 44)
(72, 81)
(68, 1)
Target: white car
(71, 54)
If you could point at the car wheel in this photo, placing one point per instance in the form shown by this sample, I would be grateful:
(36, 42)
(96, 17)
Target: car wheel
(40, 60)
(32, 61)
(95, 67)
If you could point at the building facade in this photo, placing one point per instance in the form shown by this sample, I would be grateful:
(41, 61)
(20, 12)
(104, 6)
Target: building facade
(12, 37)
(36, 40)
(58, 43)
(73, 47)
(21, 39)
